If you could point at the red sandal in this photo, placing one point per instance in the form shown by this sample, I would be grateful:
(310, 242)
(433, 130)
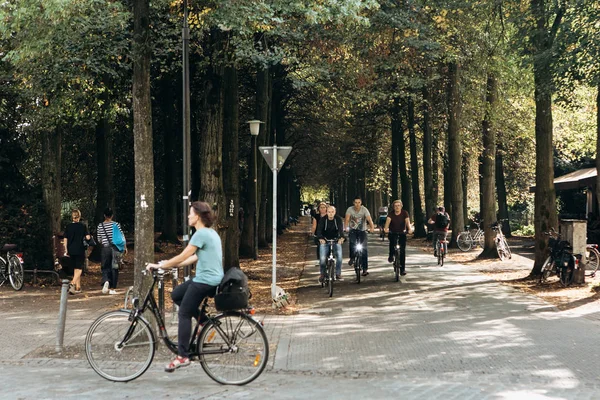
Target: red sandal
(177, 363)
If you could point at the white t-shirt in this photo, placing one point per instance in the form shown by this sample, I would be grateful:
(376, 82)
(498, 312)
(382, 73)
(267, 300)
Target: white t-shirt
(358, 219)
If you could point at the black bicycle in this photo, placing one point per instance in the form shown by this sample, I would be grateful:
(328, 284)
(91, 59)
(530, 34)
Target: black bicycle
(231, 346)
(561, 261)
(330, 267)
(441, 247)
(357, 260)
(11, 266)
(397, 257)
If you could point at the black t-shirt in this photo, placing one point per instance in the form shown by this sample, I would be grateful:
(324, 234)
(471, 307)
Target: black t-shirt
(398, 222)
(74, 233)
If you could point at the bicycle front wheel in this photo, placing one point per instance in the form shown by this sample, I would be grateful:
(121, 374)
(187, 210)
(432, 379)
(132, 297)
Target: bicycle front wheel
(233, 349)
(357, 267)
(118, 349)
(566, 276)
(464, 241)
(546, 269)
(15, 272)
(331, 272)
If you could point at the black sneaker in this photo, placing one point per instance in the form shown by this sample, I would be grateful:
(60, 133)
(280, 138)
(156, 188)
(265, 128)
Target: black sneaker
(321, 278)
(391, 259)
(365, 273)
(351, 262)
(402, 273)
(338, 278)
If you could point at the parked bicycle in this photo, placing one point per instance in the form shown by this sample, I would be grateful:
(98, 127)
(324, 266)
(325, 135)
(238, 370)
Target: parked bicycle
(330, 267)
(560, 261)
(502, 246)
(466, 240)
(231, 346)
(11, 266)
(441, 248)
(593, 259)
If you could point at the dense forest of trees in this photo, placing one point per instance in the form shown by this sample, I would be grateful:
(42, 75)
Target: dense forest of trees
(444, 102)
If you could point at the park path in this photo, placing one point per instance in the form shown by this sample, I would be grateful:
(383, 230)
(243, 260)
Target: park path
(443, 332)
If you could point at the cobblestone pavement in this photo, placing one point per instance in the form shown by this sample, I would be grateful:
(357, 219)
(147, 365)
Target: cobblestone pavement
(443, 332)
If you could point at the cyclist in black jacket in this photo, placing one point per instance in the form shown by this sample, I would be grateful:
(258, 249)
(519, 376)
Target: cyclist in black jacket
(330, 228)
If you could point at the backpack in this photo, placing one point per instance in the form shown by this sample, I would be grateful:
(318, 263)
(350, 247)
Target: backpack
(117, 238)
(233, 292)
(442, 221)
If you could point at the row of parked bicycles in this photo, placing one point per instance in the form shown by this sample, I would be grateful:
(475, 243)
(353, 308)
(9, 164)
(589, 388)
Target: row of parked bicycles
(467, 240)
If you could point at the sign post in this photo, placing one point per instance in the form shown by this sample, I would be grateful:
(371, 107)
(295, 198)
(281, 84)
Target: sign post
(275, 157)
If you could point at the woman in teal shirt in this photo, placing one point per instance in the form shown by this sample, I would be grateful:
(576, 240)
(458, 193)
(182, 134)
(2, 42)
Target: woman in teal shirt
(205, 249)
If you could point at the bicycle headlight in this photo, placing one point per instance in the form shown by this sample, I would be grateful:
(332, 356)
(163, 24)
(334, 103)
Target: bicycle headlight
(397, 246)
(359, 247)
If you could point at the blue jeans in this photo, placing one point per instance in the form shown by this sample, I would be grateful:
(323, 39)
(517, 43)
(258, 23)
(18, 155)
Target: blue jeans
(324, 253)
(359, 236)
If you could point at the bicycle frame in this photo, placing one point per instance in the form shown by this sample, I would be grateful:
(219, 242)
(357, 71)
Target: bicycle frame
(150, 301)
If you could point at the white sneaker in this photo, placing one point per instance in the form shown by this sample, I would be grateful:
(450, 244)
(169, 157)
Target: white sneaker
(105, 287)
(112, 291)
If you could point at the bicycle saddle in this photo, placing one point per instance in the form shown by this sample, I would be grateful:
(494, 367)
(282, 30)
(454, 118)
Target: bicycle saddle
(8, 247)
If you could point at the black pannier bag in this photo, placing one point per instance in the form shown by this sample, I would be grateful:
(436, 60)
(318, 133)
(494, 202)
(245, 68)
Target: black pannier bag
(233, 292)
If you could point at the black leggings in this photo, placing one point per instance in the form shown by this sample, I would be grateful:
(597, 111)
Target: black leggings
(188, 296)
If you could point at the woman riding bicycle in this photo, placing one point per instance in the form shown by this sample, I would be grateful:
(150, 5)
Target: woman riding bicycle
(398, 224)
(205, 249)
(330, 228)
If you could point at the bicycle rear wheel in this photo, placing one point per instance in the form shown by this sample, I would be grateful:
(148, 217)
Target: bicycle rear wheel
(464, 241)
(234, 349)
(566, 275)
(331, 272)
(118, 349)
(546, 269)
(593, 258)
(500, 249)
(15, 272)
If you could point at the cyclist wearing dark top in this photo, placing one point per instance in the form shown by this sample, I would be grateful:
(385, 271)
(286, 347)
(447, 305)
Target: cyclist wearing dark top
(331, 228)
(316, 217)
(440, 221)
(398, 225)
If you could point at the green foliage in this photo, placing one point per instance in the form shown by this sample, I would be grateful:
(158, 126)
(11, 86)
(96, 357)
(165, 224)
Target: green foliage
(527, 230)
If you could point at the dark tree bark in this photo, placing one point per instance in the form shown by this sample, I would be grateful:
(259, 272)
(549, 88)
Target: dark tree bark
(488, 195)
(598, 146)
(396, 136)
(51, 171)
(104, 164)
(428, 171)
(231, 169)
(211, 144)
(454, 151)
(501, 191)
(170, 114)
(545, 196)
(263, 98)
(465, 186)
(142, 141)
(405, 192)
(414, 166)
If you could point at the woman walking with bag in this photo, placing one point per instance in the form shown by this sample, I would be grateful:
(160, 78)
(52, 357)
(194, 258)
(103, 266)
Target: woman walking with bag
(75, 235)
(108, 232)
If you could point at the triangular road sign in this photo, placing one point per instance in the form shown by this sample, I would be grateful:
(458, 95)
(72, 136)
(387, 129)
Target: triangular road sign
(282, 154)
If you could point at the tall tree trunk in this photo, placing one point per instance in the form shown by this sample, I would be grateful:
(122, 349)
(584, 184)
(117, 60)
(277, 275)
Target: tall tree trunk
(263, 99)
(405, 193)
(428, 171)
(545, 195)
(211, 145)
(396, 126)
(598, 147)
(501, 190)
(142, 141)
(104, 165)
(231, 169)
(488, 196)
(414, 166)
(465, 186)
(51, 172)
(454, 151)
(171, 142)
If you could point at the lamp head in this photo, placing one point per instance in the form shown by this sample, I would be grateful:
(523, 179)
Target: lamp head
(254, 126)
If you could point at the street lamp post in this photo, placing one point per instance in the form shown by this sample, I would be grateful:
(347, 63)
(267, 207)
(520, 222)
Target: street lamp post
(185, 34)
(254, 131)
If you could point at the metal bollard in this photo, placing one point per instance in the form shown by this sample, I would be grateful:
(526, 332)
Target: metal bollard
(62, 316)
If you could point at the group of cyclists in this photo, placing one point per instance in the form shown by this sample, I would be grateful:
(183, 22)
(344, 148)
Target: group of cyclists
(328, 226)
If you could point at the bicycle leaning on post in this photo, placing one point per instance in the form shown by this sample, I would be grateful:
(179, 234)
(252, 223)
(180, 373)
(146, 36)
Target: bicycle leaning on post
(231, 346)
(560, 261)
